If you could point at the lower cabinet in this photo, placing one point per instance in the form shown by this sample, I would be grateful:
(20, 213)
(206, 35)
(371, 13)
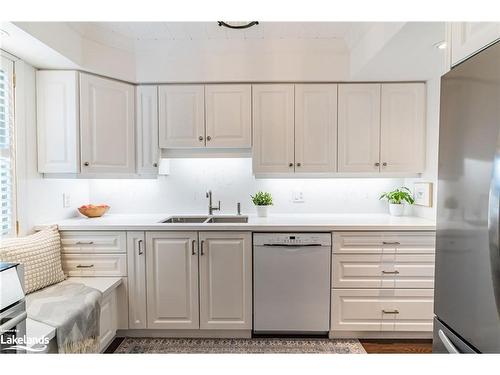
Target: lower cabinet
(199, 280)
(225, 280)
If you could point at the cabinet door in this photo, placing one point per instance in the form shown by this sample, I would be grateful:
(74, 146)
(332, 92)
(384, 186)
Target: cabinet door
(273, 128)
(181, 114)
(359, 128)
(315, 128)
(172, 280)
(57, 111)
(225, 280)
(136, 271)
(468, 38)
(107, 125)
(147, 149)
(228, 115)
(402, 136)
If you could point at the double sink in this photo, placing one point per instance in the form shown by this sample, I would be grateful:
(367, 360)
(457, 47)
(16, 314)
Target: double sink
(205, 220)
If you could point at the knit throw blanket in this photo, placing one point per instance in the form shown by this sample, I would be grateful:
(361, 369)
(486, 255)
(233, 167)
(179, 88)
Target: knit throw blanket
(73, 310)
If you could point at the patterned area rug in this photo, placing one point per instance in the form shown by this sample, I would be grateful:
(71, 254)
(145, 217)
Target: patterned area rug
(239, 346)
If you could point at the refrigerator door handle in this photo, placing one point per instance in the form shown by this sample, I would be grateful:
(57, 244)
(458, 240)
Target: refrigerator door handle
(494, 206)
(447, 343)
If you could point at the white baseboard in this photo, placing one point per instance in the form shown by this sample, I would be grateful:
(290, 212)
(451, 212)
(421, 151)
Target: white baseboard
(184, 333)
(379, 335)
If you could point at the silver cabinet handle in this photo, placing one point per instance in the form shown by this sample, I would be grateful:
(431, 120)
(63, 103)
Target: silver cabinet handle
(200, 138)
(86, 164)
(201, 247)
(377, 164)
(390, 311)
(85, 242)
(193, 251)
(155, 165)
(298, 164)
(390, 272)
(140, 248)
(390, 243)
(290, 164)
(85, 266)
(209, 138)
(384, 164)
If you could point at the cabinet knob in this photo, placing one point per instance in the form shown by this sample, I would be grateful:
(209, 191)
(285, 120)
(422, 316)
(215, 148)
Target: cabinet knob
(200, 138)
(384, 164)
(290, 164)
(298, 164)
(86, 164)
(209, 138)
(377, 164)
(155, 165)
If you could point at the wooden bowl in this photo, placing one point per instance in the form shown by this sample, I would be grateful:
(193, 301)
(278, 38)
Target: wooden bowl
(95, 211)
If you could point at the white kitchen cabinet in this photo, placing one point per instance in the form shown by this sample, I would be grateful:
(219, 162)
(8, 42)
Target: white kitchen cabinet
(402, 130)
(108, 323)
(147, 149)
(468, 38)
(172, 280)
(359, 128)
(225, 280)
(181, 113)
(228, 116)
(107, 125)
(315, 128)
(273, 128)
(58, 123)
(136, 270)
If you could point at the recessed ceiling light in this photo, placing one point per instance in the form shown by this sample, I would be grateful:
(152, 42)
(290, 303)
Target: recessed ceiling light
(4, 33)
(441, 45)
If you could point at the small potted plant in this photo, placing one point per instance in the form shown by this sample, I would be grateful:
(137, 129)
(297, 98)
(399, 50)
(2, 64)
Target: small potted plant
(262, 200)
(397, 198)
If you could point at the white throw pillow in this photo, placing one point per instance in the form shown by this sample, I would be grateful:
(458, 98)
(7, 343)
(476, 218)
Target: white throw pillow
(39, 253)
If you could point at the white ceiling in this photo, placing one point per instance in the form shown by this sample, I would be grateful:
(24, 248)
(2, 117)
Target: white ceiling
(129, 35)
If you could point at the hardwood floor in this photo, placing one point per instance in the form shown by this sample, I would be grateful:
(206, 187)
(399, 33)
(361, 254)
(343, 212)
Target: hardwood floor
(397, 346)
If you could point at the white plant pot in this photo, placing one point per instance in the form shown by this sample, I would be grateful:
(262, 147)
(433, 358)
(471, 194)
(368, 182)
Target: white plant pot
(396, 209)
(262, 211)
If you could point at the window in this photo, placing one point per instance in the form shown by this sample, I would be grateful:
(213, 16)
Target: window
(7, 162)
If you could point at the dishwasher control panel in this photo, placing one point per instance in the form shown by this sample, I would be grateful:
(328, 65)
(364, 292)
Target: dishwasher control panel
(292, 239)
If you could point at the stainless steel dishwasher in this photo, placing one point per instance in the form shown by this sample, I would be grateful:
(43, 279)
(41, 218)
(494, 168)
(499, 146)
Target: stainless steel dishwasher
(292, 282)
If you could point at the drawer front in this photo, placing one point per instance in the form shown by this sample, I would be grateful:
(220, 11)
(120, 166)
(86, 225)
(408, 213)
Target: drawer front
(95, 264)
(382, 310)
(93, 242)
(383, 271)
(384, 242)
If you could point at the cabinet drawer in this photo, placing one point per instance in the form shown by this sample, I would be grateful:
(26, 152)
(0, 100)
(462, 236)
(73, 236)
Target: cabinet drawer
(383, 271)
(95, 264)
(382, 310)
(93, 242)
(384, 242)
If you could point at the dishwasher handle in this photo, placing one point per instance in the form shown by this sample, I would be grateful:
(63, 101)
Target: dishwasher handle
(292, 245)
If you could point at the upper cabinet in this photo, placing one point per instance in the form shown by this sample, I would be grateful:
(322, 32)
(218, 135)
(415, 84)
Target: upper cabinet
(316, 128)
(468, 38)
(273, 128)
(402, 130)
(181, 111)
(359, 127)
(228, 116)
(212, 116)
(147, 150)
(382, 128)
(58, 122)
(107, 125)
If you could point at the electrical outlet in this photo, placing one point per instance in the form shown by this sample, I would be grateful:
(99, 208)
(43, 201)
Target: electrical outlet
(66, 200)
(297, 196)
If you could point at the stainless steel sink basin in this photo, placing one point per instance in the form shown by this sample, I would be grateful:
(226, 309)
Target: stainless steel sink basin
(233, 219)
(185, 219)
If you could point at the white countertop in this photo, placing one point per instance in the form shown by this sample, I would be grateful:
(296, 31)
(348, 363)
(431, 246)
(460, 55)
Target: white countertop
(275, 222)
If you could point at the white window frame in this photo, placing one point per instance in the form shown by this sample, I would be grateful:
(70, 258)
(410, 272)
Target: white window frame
(7, 65)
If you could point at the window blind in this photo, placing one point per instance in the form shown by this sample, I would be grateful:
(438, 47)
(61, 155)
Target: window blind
(7, 207)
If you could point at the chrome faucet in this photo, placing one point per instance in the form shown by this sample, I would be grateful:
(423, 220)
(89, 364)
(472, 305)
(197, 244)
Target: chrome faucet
(211, 208)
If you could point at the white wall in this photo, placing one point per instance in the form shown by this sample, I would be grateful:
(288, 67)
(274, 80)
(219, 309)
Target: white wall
(231, 181)
(39, 200)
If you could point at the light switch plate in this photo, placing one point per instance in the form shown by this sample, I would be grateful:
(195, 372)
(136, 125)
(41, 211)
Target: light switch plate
(66, 200)
(297, 196)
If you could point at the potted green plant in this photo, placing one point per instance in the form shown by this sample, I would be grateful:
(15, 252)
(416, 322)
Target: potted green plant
(262, 200)
(397, 199)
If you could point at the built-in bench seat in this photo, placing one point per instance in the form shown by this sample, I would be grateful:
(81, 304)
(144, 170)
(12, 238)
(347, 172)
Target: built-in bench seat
(108, 286)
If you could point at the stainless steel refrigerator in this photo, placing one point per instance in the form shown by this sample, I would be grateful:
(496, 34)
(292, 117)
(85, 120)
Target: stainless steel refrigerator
(467, 290)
